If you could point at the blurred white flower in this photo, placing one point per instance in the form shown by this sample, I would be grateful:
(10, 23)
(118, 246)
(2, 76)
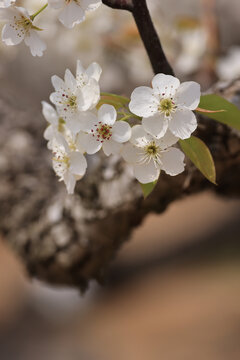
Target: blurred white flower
(167, 105)
(68, 165)
(103, 131)
(56, 123)
(148, 155)
(73, 11)
(228, 67)
(19, 27)
(6, 3)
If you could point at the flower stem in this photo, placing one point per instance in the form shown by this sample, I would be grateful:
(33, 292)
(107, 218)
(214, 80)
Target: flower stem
(38, 12)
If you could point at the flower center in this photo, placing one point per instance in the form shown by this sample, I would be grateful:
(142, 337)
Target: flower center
(167, 107)
(22, 24)
(102, 132)
(70, 101)
(61, 124)
(60, 162)
(151, 152)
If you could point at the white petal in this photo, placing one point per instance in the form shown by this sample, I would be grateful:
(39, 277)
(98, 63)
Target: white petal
(107, 114)
(172, 161)
(111, 147)
(37, 45)
(143, 102)
(78, 163)
(131, 153)
(90, 5)
(73, 123)
(146, 173)
(183, 123)
(188, 95)
(139, 136)
(88, 121)
(167, 140)
(58, 83)
(121, 131)
(49, 113)
(12, 35)
(70, 182)
(166, 85)
(56, 4)
(155, 125)
(49, 133)
(94, 71)
(70, 80)
(89, 143)
(56, 98)
(71, 14)
(80, 69)
(88, 96)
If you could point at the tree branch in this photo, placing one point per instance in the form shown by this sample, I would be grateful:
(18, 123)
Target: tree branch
(71, 239)
(119, 4)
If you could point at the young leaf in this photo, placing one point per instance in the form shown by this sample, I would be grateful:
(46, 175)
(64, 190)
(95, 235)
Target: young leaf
(199, 154)
(148, 188)
(229, 114)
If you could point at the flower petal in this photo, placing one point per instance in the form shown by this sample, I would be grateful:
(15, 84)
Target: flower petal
(94, 71)
(58, 83)
(88, 121)
(56, 4)
(165, 85)
(155, 125)
(70, 80)
(49, 113)
(111, 147)
(11, 34)
(167, 140)
(146, 173)
(188, 95)
(172, 161)
(183, 123)
(121, 131)
(73, 123)
(71, 14)
(143, 103)
(78, 163)
(89, 143)
(107, 114)
(131, 153)
(139, 136)
(70, 182)
(88, 96)
(90, 5)
(36, 45)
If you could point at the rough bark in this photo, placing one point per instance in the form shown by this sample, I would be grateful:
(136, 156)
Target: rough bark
(71, 239)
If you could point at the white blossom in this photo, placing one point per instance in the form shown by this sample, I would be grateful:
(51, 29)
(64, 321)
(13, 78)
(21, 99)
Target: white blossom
(73, 11)
(167, 105)
(149, 155)
(68, 165)
(20, 27)
(56, 124)
(6, 3)
(103, 131)
(74, 96)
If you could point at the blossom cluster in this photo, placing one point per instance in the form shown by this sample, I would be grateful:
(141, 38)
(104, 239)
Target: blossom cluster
(20, 26)
(81, 124)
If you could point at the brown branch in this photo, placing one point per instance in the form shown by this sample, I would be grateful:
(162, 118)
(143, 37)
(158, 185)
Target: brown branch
(119, 4)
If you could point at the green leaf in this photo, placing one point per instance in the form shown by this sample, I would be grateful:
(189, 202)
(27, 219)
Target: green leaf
(229, 114)
(199, 154)
(148, 188)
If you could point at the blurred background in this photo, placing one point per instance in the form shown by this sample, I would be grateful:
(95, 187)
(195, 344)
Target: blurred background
(173, 291)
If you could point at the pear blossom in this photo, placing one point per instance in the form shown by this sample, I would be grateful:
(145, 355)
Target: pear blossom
(20, 27)
(6, 3)
(149, 155)
(74, 96)
(73, 11)
(103, 131)
(167, 105)
(55, 126)
(68, 165)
